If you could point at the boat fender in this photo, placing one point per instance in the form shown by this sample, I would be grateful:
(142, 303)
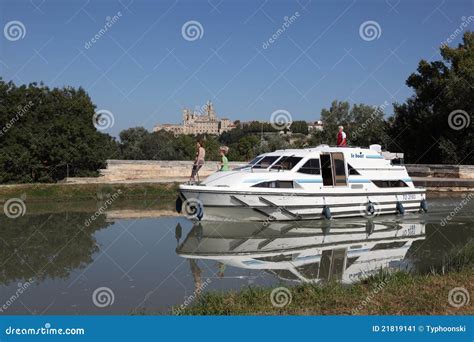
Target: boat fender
(200, 212)
(400, 208)
(370, 208)
(327, 212)
(424, 205)
(179, 204)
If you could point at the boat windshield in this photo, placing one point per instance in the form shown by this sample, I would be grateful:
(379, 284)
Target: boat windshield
(265, 162)
(250, 163)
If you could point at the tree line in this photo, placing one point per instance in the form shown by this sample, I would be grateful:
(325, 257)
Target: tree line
(47, 134)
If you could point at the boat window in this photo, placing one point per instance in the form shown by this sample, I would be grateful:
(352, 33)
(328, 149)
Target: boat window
(309, 271)
(265, 162)
(286, 163)
(352, 171)
(339, 168)
(388, 245)
(275, 184)
(255, 160)
(250, 163)
(390, 183)
(311, 167)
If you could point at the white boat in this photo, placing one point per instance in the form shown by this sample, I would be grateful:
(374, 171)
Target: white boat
(312, 183)
(341, 250)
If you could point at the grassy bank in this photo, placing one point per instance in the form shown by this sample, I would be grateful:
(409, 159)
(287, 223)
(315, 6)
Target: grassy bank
(397, 294)
(59, 192)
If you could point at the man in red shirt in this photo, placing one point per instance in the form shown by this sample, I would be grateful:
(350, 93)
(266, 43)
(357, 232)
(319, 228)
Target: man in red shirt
(341, 137)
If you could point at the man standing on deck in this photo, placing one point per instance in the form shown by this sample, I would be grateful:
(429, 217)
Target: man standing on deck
(341, 137)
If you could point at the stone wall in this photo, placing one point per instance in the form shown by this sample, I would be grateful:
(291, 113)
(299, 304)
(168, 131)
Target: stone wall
(441, 171)
(123, 170)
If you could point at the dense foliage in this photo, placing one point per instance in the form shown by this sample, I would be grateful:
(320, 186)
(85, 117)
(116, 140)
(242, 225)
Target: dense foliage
(46, 132)
(435, 125)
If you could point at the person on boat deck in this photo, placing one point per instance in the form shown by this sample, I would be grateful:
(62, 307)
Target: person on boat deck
(341, 137)
(223, 165)
(198, 161)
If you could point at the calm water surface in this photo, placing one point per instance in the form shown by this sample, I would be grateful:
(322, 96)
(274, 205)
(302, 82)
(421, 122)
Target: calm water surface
(152, 264)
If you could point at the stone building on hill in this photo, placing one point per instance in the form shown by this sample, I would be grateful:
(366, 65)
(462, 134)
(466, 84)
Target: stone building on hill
(197, 123)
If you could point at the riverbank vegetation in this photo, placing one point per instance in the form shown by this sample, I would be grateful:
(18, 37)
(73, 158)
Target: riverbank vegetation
(48, 134)
(398, 293)
(94, 191)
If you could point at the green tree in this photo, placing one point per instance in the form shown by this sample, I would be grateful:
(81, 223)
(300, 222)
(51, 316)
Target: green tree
(435, 124)
(299, 127)
(44, 133)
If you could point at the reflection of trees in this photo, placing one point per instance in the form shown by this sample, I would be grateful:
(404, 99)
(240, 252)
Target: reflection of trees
(439, 246)
(46, 245)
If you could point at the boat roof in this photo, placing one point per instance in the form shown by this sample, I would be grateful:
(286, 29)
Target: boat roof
(372, 150)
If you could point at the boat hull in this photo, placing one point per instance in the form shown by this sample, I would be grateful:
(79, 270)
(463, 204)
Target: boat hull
(218, 204)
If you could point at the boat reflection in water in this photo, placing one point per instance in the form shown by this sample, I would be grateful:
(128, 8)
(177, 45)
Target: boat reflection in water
(309, 251)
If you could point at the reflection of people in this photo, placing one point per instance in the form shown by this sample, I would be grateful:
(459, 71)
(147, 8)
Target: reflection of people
(196, 271)
(341, 137)
(224, 163)
(198, 161)
(221, 268)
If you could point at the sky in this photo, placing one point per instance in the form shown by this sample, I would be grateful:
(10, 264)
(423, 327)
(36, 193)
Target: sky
(251, 58)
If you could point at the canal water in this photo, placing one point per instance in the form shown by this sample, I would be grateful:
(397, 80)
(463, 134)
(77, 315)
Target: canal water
(76, 262)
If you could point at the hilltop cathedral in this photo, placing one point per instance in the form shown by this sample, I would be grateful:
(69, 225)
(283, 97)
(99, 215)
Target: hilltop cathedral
(197, 123)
